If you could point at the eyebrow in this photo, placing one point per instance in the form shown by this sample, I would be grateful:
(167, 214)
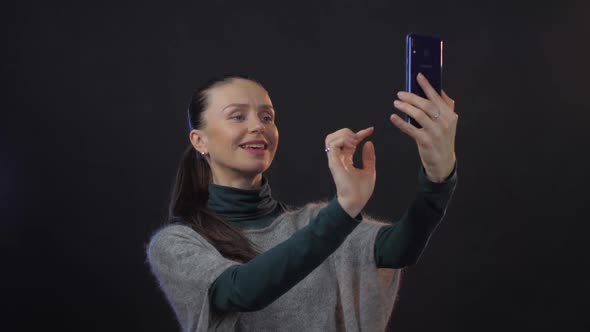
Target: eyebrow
(265, 106)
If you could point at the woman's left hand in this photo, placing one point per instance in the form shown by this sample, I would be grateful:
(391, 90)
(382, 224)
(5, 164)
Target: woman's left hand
(436, 138)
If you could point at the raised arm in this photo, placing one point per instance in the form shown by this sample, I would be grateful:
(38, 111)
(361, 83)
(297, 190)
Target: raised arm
(256, 284)
(402, 244)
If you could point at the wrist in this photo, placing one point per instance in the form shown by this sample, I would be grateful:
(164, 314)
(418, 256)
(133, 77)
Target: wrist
(435, 178)
(440, 175)
(349, 207)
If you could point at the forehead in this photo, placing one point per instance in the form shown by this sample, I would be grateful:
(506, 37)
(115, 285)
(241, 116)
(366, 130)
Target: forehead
(238, 91)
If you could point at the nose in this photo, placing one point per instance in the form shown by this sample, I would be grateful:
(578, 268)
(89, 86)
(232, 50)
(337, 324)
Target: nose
(257, 125)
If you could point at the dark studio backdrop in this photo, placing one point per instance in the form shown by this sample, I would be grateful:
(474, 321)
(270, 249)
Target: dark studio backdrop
(93, 126)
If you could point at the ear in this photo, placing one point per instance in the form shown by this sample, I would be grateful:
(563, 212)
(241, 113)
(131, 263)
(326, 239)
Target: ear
(198, 140)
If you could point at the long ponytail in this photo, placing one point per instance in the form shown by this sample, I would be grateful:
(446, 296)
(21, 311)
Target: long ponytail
(188, 201)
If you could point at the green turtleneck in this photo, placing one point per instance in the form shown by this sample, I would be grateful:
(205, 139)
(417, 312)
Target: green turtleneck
(253, 285)
(245, 208)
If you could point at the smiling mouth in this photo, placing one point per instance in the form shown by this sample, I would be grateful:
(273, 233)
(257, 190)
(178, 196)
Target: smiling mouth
(254, 146)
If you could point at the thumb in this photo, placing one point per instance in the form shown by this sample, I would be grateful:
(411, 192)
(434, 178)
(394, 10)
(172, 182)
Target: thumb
(369, 156)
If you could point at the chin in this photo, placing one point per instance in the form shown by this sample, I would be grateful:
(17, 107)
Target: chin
(256, 169)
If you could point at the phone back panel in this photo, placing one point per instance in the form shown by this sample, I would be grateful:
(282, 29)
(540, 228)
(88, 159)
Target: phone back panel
(423, 55)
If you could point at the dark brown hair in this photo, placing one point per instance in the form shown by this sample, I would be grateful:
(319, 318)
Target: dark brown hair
(188, 201)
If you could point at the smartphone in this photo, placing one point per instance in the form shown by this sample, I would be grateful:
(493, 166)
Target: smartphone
(424, 54)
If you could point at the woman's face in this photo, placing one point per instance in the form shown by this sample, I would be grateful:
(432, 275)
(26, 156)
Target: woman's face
(239, 134)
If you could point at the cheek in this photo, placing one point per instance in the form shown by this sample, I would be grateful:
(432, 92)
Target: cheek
(229, 135)
(275, 137)
(275, 132)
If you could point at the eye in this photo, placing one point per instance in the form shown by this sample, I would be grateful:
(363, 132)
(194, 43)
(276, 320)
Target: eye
(266, 117)
(237, 117)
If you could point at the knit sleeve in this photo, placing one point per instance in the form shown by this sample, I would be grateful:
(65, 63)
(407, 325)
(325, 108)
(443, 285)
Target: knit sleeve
(256, 284)
(186, 265)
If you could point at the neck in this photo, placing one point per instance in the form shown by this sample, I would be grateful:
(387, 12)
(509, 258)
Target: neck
(249, 207)
(241, 181)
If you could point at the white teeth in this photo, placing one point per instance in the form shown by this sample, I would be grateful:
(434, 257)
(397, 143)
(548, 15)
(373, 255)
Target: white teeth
(253, 146)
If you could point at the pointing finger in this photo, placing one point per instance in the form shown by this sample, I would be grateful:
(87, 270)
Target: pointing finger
(362, 134)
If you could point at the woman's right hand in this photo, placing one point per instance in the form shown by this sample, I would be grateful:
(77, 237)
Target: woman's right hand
(354, 186)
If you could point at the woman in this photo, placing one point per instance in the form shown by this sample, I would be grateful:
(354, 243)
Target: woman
(233, 258)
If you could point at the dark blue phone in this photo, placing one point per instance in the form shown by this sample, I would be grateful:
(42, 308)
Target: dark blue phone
(424, 54)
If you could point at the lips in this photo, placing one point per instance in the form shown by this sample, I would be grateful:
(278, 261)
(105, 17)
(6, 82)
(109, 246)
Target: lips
(255, 145)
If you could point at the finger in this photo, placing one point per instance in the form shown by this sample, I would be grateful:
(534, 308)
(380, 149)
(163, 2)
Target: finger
(450, 102)
(364, 133)
(419, 115)
(332, 151)
(417, 101)
(369, 156)
(453, 116)
(429, 91)
(343, 140)
(339, 159)
(339, 132)
(346, 138)
(347, 142)
(439, 104)
(341, 150)
(405, 127)
(334, 163)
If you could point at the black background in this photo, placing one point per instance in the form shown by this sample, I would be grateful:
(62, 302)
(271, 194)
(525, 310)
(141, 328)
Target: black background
(93, 126)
